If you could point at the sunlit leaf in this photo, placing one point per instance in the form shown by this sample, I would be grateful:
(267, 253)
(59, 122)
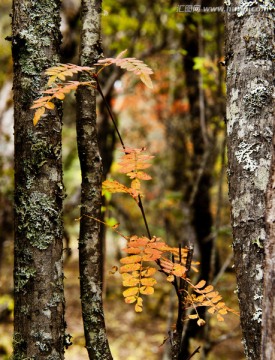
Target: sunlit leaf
(146, 290)
(195, 316)
(200, 284)
(130, 299)
(131, 259)
(148, 281)
(39, 112)
(129, 267)
(201, 322)
(130, 292)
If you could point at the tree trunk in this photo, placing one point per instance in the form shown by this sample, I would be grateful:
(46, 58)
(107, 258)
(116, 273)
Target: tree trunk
(38, 272)
(268, 323)
(249, 133)
(90, 246)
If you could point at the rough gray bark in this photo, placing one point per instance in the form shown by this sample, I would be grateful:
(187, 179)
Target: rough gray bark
(38, 275)
(249, 42)
(268, 322)
(90, 246)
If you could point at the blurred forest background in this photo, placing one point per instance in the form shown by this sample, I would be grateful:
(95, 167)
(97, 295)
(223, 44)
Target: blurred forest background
(182, 123)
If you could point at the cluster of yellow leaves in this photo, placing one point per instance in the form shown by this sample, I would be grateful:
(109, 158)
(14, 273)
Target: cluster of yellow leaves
(137, 273)
(208, 297)
(57, 88)
(131, 164)
(131, 64)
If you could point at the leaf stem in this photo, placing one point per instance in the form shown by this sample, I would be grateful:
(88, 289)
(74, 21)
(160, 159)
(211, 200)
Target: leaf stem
(144, 216)
(140, 204)
(109, 110)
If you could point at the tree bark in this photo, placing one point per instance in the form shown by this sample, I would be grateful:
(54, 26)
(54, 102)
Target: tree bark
(38, 272)
(90, 246)
(268, 322)
(249, 42)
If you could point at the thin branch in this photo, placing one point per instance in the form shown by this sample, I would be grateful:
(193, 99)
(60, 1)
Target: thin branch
(193, 353)
(108, 109)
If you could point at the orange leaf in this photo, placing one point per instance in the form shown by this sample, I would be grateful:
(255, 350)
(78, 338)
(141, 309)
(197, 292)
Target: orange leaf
(208, 289)
(60, 96)
(131, 259)
(132, 250)
(200, 285)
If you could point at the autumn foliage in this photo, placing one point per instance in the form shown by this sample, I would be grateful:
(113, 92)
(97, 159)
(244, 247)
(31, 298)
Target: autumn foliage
(145, 255)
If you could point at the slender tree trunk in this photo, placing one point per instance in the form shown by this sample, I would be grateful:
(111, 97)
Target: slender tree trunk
(90, 246)
(249, 42)
(198, 199)
(38, 272)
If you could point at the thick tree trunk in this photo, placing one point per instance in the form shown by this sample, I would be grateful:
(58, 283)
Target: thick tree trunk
(249, 131)
(268, 322)
(90, 246)
(38, 275)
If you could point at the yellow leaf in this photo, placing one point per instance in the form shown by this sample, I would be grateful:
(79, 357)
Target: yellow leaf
(211, 310)
(147, 290)
(130, 292)
(49, 105)
(60, 96)
(129, 267)
(195, 316)
(145, 78)
(130, 299)
(130, 282)
(220, 305)
(216, 298)
(148, 281)
(61, 77)
(220, 318)
(139, 301)
(223, 311)
(170, 278)
(201, 322)
(39, 112)
(138, 308)
(208, 289)
(200, 285)
(148, 272)
(212, 294)
(51, 80)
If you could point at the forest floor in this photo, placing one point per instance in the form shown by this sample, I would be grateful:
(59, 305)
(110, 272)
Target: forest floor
(132, 336)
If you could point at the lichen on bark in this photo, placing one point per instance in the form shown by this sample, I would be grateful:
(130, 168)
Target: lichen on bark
(249, 137)
(38, 276)
(90, 246)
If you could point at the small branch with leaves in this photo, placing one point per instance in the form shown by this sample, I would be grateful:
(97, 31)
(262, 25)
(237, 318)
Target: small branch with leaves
(143, 253)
